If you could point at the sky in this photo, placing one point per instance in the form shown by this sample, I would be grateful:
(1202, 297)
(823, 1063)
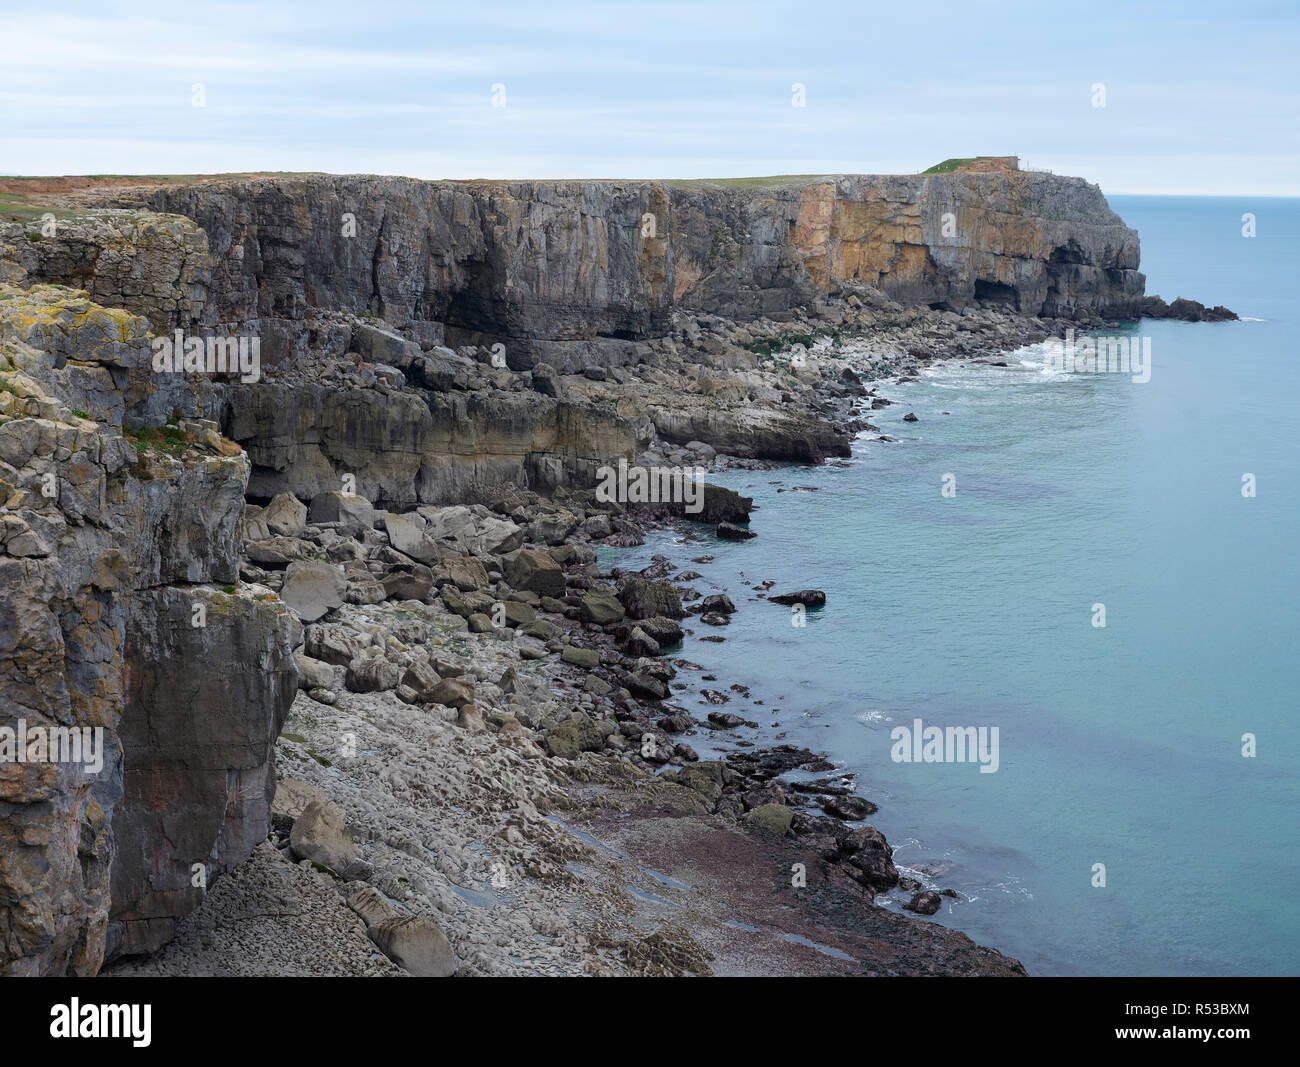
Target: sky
(1198, 97)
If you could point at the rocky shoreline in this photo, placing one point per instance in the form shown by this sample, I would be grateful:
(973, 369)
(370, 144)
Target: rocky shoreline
(502, 801)
(350, 595)
(475, 660)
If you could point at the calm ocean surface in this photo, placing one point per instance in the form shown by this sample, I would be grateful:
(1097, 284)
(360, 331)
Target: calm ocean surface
(1120, 746)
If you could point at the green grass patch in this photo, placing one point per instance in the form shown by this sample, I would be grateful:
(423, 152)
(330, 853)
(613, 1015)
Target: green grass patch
(950, 165)
(168, 440)
(25, 208)
(770, 346)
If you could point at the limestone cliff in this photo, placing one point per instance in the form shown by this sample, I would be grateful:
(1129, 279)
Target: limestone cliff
(564, 261)
(109, 540)
(562, 278)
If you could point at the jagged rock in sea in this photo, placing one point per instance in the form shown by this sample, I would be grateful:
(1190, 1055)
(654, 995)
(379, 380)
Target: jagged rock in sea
(1154, 307)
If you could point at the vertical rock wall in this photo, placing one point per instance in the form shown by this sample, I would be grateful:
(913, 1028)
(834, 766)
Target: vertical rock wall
(106, 543)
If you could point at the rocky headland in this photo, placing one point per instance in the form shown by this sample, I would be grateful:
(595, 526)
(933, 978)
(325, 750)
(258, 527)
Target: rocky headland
(369, 703)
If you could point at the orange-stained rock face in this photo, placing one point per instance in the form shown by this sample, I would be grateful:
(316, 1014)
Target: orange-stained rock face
(922, 239)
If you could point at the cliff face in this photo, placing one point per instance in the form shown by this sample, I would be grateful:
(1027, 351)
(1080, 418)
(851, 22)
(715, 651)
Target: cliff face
(566, 261)
(564, 276)
(108, 544)
(1034, 243)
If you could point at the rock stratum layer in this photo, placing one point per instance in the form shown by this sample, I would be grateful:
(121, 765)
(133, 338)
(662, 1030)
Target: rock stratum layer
(421, 343)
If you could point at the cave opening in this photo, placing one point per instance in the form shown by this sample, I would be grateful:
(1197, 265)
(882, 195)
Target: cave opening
(996, 293)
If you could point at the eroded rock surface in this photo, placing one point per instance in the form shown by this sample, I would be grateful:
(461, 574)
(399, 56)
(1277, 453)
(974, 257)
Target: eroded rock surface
(111, 539)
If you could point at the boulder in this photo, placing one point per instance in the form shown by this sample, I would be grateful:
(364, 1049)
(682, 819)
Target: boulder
(644, 686)
(377, 345)
(729, 531)
(421, 677)
(252, 525)
(320, 835)
(451, 692)
(366, 593)
(644, 599)
(277, 551)
(354, 514)
(553, 527)
(518, 613)
(313, 673)
(285, 515)
(464, 572)
(871, 858)
(666, 632)
(676, 723)
(332, 644)
(849, 808)
(587, 658)
(312, 589)
(406, 534)
(413, 583)
(578, 733)
(716, 504)
(600, 606)
(369, 903)
(774, 818)
(704, 778)
(416, 945)
(926, 902)
(373, 674)
(809, 598)
(291, 799)
(718, 602)
(472, 531)
(639, 643)
(538, 572)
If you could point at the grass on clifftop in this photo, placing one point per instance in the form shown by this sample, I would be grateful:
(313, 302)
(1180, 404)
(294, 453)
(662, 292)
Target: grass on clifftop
(27, 197)
(950, 165)
(18, 206)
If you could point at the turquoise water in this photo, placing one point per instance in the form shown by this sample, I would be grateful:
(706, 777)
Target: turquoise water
(1118, 745)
